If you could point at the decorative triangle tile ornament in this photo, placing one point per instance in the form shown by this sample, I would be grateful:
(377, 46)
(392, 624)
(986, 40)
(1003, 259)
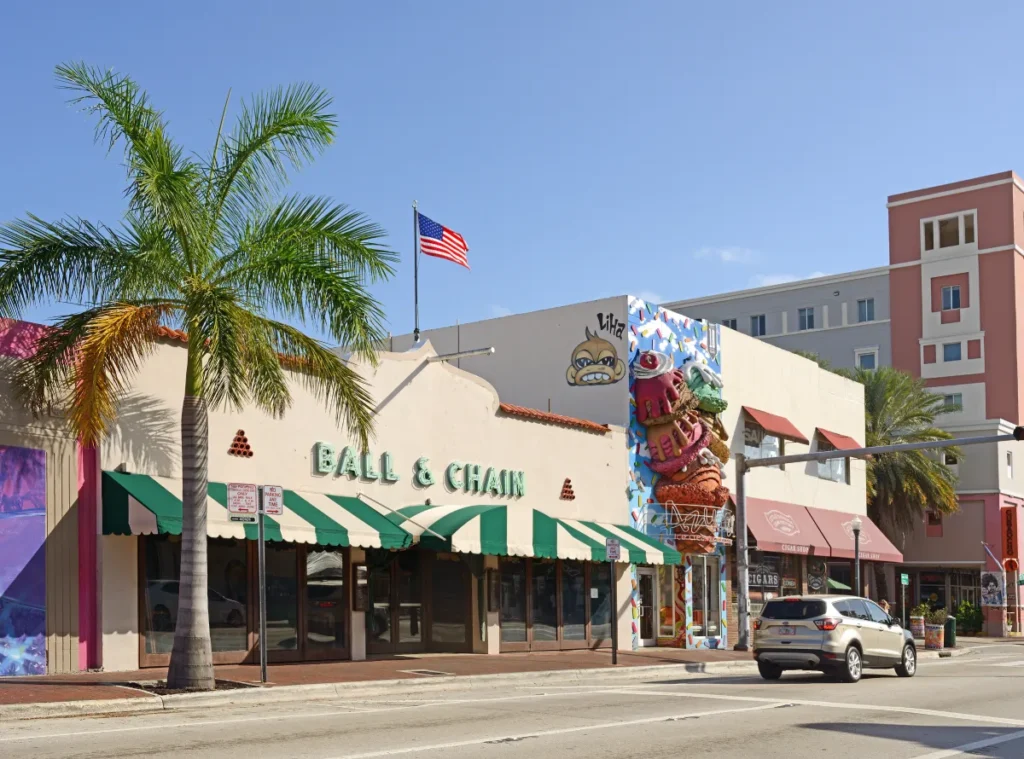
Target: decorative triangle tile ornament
(567, 494)
(240, 446)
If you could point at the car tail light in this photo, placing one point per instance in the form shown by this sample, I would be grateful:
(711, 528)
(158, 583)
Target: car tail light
(828, 623)
(757, 624)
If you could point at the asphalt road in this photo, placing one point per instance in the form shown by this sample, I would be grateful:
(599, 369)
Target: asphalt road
(971, 705)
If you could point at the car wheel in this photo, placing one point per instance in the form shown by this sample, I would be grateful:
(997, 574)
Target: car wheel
(769, 671)
(853, 667)
(908, 666)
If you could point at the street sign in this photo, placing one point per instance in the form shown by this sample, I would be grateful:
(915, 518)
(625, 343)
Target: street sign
(904, 579)
(273, 500)
(243, 503)
(612, 548)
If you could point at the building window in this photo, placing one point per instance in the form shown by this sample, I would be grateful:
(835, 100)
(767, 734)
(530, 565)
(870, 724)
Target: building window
(757, 326)
(949, 231)
(1009, 464)
(951, 298)
(832, 469)
(866, 310)
(757, 444)
(730, 323)
(867, 359)
(805, 318)
(951, 352)
(953, 400)
(934, 519)
(950, 459)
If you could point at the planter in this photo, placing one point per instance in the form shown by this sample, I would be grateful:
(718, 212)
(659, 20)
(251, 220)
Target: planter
(917, 626)
(934, 637)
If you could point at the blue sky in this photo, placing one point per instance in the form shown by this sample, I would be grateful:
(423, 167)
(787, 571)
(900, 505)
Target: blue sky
(583, 149)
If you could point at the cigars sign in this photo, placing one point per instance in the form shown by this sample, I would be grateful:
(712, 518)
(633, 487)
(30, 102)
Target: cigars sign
(370, 467)
(1010, 538)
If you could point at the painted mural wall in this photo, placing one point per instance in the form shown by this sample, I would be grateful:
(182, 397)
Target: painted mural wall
(678, 447)
(22, 561)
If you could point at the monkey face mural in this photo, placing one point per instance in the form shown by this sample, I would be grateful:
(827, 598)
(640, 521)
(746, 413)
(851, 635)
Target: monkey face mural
(595, 362)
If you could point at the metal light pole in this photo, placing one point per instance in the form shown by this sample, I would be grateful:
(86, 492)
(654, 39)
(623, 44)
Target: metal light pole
(856, 524)
(744, 465)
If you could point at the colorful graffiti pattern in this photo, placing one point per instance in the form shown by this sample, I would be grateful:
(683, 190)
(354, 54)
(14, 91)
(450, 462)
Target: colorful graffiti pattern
(677, 444)
(22, 561)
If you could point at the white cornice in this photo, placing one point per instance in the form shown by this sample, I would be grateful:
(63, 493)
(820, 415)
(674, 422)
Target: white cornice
(955, 191)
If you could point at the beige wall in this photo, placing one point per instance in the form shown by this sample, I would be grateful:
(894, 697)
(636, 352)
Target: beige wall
(119, 601)
(764, 377)
(533, 352)
(50, 434)
(425, 409)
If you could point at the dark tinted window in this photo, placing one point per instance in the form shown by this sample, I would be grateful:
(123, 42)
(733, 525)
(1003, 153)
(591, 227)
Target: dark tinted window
(793, 609)
(877, 615)
(853, 608)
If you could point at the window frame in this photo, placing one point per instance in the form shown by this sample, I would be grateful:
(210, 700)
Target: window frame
(1009, 465)
(954, 295)
(959, 353)
(953, 399)
(932, 224)
(868, 308)
(762, 325)
(858, 352)
(805, 318)
(759, 452)
(833, 470)
(730, 323)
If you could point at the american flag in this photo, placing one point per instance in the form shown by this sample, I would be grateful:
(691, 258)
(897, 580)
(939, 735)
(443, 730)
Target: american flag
(442, 242)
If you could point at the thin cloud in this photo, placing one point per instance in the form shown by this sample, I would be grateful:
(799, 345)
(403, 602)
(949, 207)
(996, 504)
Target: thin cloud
(767, 280)
(651, 297)
(498, 311)
(728, 255)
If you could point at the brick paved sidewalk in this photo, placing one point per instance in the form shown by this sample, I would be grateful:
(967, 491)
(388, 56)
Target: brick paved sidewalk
(106, 685)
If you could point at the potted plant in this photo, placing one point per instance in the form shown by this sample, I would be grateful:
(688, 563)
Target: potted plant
(935, 629)
(917, 615)
(968, 618)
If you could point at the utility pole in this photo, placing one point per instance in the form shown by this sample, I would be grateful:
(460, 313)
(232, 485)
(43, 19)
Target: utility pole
(744, 465)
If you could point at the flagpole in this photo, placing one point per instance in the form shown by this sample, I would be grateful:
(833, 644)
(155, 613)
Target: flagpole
(416, 271)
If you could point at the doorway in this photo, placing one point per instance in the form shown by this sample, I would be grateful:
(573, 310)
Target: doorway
(648, 605)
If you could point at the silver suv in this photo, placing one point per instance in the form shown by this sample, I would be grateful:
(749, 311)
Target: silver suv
(838, 635)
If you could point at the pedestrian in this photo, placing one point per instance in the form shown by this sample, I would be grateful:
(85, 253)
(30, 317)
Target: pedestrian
(885, 605)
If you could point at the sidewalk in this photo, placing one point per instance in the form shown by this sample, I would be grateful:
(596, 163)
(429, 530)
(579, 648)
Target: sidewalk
(89, 686)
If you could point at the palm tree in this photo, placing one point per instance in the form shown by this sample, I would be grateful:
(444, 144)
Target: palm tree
(902, 486)
(209, 245)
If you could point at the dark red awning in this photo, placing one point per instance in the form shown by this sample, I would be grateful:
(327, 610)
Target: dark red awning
(776, 425)
(784, 528)
(839, 442)
(837, 527)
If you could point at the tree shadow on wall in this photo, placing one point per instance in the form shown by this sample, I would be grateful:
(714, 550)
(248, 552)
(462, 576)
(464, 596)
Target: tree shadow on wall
(146, 434)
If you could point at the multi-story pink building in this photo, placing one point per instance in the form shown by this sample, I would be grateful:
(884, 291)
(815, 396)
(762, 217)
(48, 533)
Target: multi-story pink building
(949, 309)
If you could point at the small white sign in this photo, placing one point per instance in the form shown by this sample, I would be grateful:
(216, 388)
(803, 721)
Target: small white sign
(594, 593)
(242, 498)
(612, 548)
(273, 500)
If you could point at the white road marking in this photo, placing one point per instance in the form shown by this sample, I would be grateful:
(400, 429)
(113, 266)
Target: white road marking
(961, 750)
(964, 716)
(557, 731)
(340, 712)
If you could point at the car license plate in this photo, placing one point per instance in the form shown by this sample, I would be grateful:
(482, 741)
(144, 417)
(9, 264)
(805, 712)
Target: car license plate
(787, 630)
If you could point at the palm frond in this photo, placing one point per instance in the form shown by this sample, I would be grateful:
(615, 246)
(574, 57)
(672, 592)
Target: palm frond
(86, 362)
(289, 125)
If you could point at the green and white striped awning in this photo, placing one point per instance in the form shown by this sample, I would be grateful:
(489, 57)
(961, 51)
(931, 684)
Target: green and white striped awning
(137, 504)
(519, 531)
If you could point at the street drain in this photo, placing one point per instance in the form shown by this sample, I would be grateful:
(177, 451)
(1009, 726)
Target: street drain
(426, 672)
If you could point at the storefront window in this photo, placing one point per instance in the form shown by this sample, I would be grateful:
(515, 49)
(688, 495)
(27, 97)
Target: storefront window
(227, 588)
(325, 600)
(666, 601)
(840, 577)
(817, 575)
(600, 602)
(513, 600)
(765, 578)
(544, 600)
(574, 601)
(707, 598)
(282, 597)
(790, 575)
(379, 621)
(410, 603)
(450, 597)
(933, 589)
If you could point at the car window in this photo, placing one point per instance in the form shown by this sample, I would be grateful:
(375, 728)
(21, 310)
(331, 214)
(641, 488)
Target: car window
(852, 608)
(876, 613)
(793, 609)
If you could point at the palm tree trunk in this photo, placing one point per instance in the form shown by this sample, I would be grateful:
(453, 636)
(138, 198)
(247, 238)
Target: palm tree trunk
(191, 664)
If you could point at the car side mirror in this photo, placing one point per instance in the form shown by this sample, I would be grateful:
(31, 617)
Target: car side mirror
(894, 622)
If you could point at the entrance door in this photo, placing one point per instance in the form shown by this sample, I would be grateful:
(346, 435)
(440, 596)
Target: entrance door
(395, 620)
(648, 605)
(451, 605)
(326, 629)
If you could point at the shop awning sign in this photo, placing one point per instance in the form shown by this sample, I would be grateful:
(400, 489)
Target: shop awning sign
(243, 502)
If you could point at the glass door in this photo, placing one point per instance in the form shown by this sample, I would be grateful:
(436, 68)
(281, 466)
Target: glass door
(648, 605)
(600, 605)
(450, 605)
(394, 623)
(544, 604)
(326, 635)
(574, 604)
(513, 604)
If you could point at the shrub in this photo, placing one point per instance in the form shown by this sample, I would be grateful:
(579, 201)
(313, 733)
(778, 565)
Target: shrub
(969, 617)
(921, 610)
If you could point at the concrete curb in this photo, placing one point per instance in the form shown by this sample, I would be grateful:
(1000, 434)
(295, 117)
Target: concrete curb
(321, 691)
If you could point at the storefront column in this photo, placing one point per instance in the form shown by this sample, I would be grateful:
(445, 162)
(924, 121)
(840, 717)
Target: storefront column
(119, 599)
(493, 617)
(357, 555)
